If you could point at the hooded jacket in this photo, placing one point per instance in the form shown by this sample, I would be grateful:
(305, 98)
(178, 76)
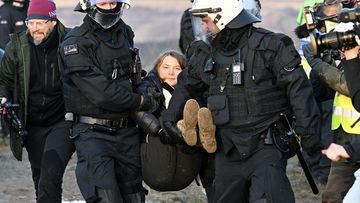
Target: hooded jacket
(17, 60)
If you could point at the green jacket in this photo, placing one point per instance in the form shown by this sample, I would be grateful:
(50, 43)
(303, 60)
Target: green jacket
(17, 60)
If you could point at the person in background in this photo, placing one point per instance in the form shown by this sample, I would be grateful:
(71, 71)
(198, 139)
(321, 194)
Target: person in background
(344, 122)
(319, 165)
(31, 56)
(12, 19)
(351, 152)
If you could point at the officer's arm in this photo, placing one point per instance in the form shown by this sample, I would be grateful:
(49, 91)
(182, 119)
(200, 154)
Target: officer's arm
(178, 99)
(292, 77)
(109, 94)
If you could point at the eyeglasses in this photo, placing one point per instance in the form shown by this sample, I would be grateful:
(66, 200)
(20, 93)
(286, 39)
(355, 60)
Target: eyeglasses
(39, 24)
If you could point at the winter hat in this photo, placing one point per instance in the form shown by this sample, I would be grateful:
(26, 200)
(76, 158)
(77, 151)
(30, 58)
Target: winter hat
(41, 9)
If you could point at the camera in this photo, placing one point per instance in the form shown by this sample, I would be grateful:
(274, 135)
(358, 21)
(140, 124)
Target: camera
(333, 40)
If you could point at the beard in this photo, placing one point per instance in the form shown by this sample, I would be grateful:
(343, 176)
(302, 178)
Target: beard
(46, 34)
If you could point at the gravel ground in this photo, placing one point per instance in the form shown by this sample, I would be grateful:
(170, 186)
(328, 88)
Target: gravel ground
(156, 26)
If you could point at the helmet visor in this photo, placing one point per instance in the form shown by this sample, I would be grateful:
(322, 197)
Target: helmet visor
(198, 30)
(106, 20)
(203, 30)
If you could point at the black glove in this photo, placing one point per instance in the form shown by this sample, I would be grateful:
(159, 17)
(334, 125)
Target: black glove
(172, 134)
(151, 100)
(311, 144)
(147, 122)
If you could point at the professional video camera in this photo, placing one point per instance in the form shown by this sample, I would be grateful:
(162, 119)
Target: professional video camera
(333, 40)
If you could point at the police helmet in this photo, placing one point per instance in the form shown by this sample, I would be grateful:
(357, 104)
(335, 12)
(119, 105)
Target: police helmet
(224, 13)
(104, 19)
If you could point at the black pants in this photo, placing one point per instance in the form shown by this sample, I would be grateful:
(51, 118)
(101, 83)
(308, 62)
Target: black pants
(207, 175)
(108, 168)
(49, 149)
(260, 178)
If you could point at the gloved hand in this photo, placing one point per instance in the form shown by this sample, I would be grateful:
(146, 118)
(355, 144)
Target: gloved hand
(172, 134)
(311, 143)
(151, 100)
(147, 122)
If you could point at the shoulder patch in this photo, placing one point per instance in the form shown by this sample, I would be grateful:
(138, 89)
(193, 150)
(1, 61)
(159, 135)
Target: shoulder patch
(71, 49)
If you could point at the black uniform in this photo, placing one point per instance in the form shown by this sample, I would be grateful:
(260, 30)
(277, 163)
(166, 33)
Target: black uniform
(351, 71)
(97, 89)
(11, 21)
(245, 106)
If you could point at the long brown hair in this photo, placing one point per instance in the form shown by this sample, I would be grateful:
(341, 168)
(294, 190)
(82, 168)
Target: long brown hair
(177, 55)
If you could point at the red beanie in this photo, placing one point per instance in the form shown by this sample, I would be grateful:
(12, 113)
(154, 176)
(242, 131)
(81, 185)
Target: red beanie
(41, 9)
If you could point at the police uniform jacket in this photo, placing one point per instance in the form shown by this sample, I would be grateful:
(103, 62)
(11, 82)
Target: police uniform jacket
(95, 64)
(272, 83)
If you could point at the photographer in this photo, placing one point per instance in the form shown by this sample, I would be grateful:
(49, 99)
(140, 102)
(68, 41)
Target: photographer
(352, 74)
(335, 152)
(343, 125)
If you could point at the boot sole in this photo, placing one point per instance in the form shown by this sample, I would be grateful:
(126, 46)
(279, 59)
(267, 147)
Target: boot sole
(191, 109)
(207, 130)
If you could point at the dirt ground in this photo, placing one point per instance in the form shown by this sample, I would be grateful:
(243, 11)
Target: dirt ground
(156, 26)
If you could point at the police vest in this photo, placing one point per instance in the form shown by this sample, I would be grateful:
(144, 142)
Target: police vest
(112, 60)
(255, 103)
(344, 114)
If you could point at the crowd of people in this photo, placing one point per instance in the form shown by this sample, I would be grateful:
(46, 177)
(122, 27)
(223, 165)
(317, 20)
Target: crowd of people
(213, 110)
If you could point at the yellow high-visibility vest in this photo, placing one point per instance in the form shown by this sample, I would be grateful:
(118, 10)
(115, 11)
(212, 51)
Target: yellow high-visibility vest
(344, 114)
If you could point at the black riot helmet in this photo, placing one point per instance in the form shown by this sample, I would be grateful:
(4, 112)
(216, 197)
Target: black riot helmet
(104, 18)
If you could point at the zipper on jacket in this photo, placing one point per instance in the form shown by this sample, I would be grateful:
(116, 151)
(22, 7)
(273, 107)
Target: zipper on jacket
(46, 69)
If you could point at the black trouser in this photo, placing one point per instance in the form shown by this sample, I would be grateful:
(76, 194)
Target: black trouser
(49, 149)
(207, 175)
(108, 168)
(260, 178)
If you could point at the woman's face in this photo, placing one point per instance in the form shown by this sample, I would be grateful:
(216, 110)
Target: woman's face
(168, 70)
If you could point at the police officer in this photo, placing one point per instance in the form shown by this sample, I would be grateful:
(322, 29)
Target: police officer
(12, 17)
(96, 59)
(251, 75)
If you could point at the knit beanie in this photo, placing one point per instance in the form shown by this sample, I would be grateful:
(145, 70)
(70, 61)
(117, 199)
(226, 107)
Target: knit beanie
(41, 9)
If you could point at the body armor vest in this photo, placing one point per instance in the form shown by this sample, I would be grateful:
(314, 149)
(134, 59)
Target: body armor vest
(254, 104)
(113, 59)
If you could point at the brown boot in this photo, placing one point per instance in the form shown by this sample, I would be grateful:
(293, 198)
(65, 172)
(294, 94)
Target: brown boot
(207, 130)
(189, 122)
